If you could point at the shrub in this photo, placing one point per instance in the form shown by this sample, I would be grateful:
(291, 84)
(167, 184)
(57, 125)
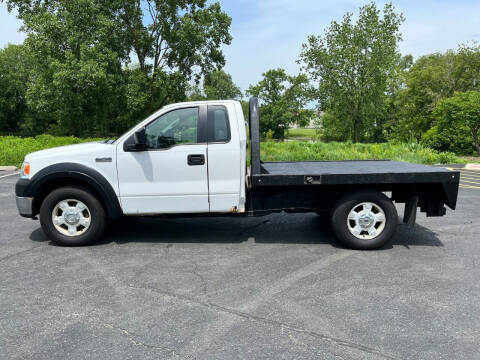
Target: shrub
(14, 148)
(458, 140)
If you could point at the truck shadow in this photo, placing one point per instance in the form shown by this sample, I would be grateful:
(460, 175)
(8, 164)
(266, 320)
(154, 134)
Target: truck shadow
(275, 228)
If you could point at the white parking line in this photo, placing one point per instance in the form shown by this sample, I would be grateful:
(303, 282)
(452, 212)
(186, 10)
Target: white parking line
(4, 176)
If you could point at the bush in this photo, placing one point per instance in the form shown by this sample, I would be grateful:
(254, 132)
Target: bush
(458, 140)
(14, 148)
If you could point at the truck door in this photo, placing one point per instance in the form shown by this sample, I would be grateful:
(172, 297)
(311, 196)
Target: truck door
(170, 176)
(224, 163)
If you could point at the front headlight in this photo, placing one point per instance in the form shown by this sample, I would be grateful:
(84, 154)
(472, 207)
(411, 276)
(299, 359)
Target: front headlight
(25, 169)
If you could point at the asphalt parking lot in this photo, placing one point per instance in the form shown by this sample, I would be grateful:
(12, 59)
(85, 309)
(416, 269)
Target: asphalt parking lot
(277, 287)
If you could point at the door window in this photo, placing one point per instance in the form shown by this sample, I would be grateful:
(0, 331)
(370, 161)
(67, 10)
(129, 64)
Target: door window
(177, 127)
(218, 126)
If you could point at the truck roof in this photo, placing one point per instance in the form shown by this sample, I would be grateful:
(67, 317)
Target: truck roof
(201, 102)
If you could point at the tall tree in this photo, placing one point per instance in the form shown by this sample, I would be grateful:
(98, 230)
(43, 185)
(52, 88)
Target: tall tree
(76, 64)
(180, 40)
(283, 101)
(83, 79)
(432, 78)
(13, 86)
(354, 63)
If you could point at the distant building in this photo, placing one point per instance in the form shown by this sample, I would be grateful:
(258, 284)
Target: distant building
(313, 123)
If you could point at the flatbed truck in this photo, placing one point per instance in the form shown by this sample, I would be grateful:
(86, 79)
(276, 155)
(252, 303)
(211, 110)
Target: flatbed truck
(190, 159)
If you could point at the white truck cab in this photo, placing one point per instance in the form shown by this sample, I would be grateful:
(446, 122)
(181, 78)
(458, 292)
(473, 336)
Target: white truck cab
(190, 158)
(193, 161)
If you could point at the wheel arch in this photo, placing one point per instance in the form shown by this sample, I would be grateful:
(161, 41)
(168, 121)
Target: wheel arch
(71, 174)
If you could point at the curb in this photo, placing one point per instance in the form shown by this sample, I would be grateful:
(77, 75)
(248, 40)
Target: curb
(8, 168)
(471, 166)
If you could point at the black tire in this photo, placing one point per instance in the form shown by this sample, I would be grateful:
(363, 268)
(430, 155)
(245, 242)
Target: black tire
(96, 215)
(342, 209)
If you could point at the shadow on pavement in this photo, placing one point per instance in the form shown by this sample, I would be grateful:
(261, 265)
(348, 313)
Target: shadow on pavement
(277, 228)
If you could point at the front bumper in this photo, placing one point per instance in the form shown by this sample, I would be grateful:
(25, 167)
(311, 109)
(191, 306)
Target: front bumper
(25, 206)
(24, 197)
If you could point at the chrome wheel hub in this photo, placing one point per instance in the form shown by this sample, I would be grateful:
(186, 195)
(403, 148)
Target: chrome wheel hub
(366, 221)
(71, 217)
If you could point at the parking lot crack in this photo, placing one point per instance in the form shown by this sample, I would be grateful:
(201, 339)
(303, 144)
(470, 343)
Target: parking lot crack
(135, 339)
(196, 272)
(263, 320)
(19, 253)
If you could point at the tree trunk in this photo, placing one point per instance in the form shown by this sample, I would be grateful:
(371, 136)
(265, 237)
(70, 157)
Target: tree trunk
(356, 122)
(355, 129)
(475, 139)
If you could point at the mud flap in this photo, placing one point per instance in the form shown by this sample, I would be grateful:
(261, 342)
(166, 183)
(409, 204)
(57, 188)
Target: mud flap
(410, 213)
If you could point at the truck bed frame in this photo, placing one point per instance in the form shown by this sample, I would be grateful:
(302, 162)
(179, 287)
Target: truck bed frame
(316, 185)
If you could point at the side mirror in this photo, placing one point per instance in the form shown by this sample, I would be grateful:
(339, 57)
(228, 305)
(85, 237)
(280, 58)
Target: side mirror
(140, 138)
(137, 142)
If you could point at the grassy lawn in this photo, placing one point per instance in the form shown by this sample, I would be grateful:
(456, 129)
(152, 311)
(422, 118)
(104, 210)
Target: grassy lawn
(297, 150)
(301, 134)
(471, 159)
(13, 149)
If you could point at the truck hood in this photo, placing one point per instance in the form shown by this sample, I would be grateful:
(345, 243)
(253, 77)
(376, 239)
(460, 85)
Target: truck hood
(66, 151)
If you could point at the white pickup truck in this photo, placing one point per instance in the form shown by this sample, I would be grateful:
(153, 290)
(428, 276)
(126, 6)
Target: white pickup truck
(190, 159)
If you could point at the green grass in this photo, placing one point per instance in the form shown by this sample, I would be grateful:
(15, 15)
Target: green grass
(14, 148)
(471, 159)
(300, 133)
(297, 150)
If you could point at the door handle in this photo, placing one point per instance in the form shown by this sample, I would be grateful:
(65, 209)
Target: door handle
(196, 159)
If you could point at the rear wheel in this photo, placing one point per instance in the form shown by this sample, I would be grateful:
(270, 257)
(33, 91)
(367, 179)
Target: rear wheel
(72, 216)
(364, 219)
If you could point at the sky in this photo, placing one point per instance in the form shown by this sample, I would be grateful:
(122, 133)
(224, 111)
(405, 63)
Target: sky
(269, 34)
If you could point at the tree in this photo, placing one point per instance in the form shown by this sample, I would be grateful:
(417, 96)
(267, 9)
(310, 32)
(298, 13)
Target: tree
(461, 110)
(180, 40)
(217, 85)
(13, 86)
(432, 78)
(76, 75)
(354, 64)
(82, 78)
(283, 100)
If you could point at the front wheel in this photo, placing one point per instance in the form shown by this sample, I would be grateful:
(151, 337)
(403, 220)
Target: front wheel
(72, 216)
(364, 220)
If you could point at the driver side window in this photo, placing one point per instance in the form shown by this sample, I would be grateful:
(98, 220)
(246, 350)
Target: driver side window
(176, 127)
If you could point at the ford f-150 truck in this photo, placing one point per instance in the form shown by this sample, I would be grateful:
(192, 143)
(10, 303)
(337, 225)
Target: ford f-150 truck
(190, 159)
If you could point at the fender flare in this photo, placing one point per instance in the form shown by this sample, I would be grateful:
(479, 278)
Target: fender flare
(32, 187)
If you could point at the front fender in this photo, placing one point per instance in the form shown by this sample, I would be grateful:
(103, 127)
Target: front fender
(60, 174)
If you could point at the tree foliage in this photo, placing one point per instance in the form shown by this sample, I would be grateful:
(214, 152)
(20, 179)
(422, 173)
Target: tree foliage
(432, 78)
(461, 111)
(180, 41)
(82, 79)
(95, 68)
(217, 85)
(354, 64)
(13, 87)
(283, 100)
